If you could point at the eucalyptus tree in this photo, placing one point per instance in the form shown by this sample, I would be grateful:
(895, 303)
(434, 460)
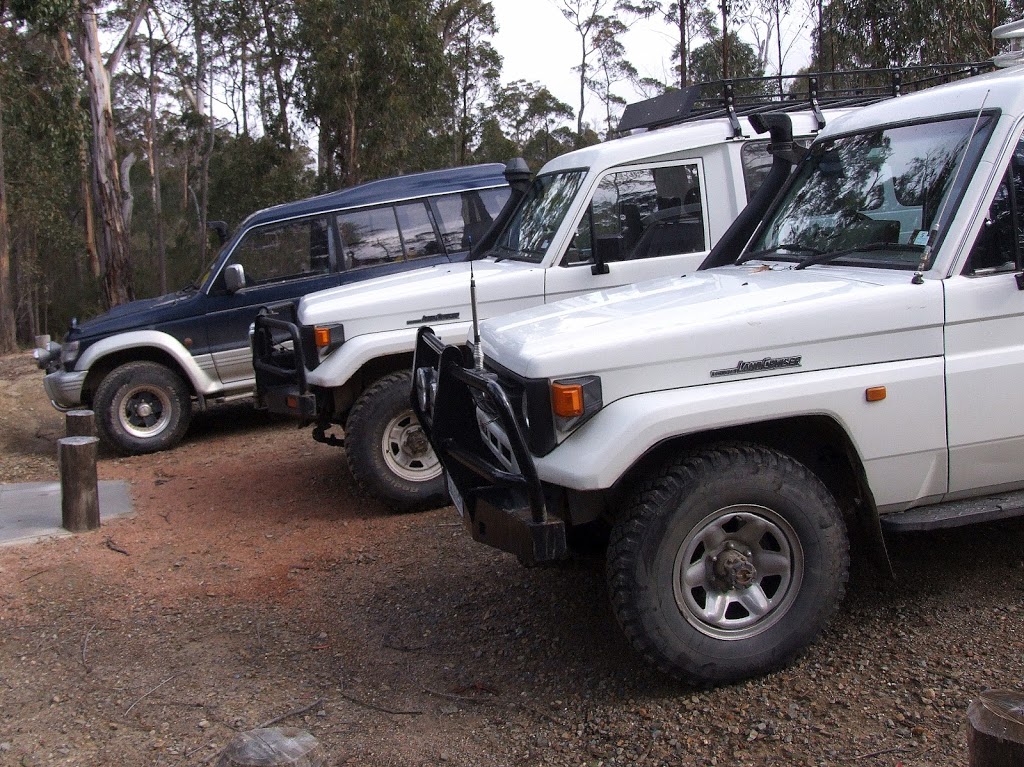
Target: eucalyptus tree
(39, 141)
(373, 75)
(474, 67)
(862, 33)
(82, 16)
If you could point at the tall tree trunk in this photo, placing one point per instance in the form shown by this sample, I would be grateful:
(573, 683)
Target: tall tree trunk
(91, 254)
(154, 170)
(114, 248)
(8, 336)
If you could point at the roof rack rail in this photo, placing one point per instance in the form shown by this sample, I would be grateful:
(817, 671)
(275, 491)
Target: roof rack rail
(744, 96)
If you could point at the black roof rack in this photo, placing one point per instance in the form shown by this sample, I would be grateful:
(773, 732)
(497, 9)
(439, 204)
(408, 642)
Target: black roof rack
(744, 96)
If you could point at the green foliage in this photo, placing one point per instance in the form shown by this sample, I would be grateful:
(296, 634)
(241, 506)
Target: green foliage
(375, 80)
(42, 131)
(45, 13)
(706, 62)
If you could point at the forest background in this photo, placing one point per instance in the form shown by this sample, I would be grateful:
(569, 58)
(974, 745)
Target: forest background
(125, 126)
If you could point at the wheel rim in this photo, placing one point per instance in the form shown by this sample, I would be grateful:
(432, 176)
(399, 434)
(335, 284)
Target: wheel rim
(407, 451)
(144, 411)
(738, 572)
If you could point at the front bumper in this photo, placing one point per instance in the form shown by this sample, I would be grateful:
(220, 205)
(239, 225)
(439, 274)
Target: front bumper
(64, 388)
(502, 503)
(281, 385)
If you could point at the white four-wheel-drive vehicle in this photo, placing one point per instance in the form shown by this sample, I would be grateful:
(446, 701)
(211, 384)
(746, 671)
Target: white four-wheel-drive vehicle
(645, 205)
(853, 361)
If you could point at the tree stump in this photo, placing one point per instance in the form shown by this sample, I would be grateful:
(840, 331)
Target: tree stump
(273, 747)
(79, 489)
(80, 423)
(995, 732)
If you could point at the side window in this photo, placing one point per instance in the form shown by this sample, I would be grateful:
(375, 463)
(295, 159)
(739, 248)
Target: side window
(642, 214)
(1000, 241)
(464, 217)
(282, 251)
(370, 237)
(418, 234)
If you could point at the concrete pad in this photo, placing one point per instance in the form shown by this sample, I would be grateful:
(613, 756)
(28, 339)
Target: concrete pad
(31, 510)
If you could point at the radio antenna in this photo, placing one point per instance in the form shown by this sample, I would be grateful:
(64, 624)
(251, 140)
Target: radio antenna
(933, 232)
(478, 353)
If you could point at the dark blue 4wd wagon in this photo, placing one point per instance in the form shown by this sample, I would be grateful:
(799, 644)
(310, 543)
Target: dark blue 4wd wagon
(141, 365)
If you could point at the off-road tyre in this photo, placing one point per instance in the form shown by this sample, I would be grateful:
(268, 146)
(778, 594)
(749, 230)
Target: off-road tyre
(388, 454)
(732, 527)
(142, 407)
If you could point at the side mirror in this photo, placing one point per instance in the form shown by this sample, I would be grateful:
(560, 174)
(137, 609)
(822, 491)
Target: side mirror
(607, 247)
(234, 278)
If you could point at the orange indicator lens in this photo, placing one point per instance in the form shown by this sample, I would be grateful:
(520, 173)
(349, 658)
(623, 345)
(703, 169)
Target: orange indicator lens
(567, 400)
(875, 394)
(322, 337)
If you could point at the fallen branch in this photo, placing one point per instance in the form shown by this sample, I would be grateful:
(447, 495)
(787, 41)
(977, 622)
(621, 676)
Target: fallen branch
(293, 712)
(85, 646)
(30, 577)
(880, 753)
(459, 698)
(133, 705)
(363, 703)
(109, 543)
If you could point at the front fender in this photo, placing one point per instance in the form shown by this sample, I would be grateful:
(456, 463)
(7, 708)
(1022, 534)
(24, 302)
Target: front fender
(202, 376)
(900, 441)
(349, 358)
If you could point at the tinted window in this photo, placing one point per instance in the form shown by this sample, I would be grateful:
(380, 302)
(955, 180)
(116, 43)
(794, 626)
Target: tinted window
(292, 249)
(370, 237)
(464, 217)
(643, 214)
(418, 234)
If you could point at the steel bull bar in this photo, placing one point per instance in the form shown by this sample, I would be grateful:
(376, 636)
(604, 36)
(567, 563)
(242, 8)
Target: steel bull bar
(280, 388)
(501, 508)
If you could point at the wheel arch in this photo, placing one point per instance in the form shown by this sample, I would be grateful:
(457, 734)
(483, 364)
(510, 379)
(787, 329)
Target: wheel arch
(103, 366)
(819, 442)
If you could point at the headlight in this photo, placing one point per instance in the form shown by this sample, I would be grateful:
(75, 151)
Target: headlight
(69, 353)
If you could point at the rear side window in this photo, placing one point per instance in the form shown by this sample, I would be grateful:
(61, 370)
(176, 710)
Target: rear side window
(370, 237)
(387, 234)
(464, 217)
(283, 251)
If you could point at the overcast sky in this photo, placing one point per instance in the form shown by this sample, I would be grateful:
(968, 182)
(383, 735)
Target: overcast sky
(539, 45)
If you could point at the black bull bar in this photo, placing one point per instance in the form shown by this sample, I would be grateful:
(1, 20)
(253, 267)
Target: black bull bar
(501, 508)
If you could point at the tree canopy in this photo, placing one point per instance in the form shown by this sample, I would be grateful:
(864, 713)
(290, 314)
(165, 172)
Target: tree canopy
(125, 125)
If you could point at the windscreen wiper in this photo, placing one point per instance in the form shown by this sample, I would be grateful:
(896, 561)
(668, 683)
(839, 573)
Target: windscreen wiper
(822, 257)
(785, 247)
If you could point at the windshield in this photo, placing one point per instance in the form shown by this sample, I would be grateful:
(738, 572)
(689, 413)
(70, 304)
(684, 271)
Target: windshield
(873, 198)
(528, 233)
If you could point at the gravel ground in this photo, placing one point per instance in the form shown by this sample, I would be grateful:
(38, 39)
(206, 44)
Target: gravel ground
(254, 584)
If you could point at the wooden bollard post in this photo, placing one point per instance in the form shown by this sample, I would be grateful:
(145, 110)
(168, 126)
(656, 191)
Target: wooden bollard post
(79, 489)
(79, 423)
(995, 729)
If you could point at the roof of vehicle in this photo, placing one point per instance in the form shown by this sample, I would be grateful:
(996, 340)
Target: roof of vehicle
(672, 140)
(392, 189)
(1001, 89)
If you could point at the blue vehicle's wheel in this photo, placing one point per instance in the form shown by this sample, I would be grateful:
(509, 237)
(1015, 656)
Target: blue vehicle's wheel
(142, 407)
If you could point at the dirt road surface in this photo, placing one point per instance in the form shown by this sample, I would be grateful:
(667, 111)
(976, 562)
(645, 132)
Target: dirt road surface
(255, 585)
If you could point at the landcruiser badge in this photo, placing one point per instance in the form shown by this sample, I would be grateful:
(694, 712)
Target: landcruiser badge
(433, 318)
(758, 366)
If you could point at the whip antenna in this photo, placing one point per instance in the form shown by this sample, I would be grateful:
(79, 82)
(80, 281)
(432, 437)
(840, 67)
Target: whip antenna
(933, 232)
(478, 353)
